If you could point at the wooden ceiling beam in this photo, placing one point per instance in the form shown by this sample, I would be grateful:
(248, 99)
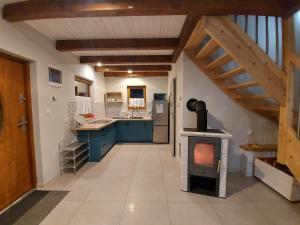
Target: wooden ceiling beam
(50, 9)
(117, 44)
(127, 59)
(188, 28)
(134, 68)
(136, 74)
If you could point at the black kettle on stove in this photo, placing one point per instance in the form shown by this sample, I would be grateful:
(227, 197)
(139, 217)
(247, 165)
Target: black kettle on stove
(199, 107)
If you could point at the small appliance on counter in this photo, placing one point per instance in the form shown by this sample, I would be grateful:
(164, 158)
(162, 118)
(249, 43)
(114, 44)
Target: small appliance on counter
(160, 96)
(160, 116)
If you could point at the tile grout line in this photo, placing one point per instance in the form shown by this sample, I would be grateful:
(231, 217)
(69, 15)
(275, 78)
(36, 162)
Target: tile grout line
(167, 201)
(129, 186)
(215, 212)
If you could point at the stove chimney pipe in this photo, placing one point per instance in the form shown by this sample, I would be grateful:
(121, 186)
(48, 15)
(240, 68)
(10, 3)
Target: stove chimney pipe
(199, 107)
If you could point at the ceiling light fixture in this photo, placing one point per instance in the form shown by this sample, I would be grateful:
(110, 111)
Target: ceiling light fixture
(99, 64)
(129, 71)
(130, 7)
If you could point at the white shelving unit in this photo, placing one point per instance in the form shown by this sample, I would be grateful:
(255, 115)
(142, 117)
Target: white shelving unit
(73, 156)
(112, 98)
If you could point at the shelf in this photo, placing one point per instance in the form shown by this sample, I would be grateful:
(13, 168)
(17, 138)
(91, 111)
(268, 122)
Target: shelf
(113, 97)
(70, 163)
(73, 155)
(259, 148)
(73, 146)
(77, 154)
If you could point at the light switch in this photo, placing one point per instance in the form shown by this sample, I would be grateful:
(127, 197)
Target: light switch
(48, 112)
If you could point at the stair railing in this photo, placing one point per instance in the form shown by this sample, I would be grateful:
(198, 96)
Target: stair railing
(267, 33)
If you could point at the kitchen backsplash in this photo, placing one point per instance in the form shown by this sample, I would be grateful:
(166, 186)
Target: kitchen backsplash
(120, 110)
(98, 109)
(112, 110)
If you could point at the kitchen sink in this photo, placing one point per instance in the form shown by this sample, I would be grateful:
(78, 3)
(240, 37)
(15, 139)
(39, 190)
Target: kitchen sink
(100, 122)
(135, 117)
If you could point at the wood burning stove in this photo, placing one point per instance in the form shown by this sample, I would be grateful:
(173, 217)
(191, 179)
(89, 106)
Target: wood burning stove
(204, 157)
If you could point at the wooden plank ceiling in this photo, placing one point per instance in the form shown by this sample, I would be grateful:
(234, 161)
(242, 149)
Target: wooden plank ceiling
(159, 28)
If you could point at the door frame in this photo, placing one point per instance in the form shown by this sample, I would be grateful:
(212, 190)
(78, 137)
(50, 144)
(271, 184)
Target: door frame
(27, 86)
(173, 85)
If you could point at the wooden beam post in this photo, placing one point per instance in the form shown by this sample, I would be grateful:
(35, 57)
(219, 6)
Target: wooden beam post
(136, 74)
(127, 59)
(50, 9)
(288, 47)
(189, 26)
(135, 68)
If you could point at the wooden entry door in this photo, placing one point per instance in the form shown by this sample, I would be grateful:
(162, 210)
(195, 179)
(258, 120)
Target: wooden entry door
(17, 166)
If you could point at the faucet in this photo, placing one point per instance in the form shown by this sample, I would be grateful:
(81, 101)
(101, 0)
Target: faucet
(132, 113)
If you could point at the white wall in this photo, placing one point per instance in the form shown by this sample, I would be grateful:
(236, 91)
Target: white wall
(49, 117)
(119, 84)
(224, 113)
(153, 85)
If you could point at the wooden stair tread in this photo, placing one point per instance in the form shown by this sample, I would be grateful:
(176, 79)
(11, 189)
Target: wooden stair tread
(253, 97)
(231, 73)
(242, 85)
(248, 55)
(208, 49)
(265, 108)
(224, 59)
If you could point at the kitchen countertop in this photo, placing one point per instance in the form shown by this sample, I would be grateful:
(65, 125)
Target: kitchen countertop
(91, 126)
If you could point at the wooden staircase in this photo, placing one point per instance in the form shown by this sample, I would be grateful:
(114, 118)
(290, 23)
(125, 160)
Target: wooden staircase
(235, 63)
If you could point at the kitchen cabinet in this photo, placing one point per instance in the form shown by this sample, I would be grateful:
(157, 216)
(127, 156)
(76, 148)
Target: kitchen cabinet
(134, 131)
(101, 141)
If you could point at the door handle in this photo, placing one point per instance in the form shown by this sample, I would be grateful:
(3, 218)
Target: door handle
(219, 165)
(23, 123)
(22, 98)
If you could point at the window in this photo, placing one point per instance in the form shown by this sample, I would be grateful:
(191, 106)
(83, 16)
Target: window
(82, 87)
(136, 96)
(55, 77)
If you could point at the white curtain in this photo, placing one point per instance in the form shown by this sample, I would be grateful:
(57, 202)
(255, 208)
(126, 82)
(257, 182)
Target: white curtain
(136, 102)
(83, 105)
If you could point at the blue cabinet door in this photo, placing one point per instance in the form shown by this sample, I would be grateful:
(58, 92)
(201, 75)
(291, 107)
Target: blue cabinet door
(105, 141)
(94, 138)
(134, 131)
(108, 137)
(122, 129)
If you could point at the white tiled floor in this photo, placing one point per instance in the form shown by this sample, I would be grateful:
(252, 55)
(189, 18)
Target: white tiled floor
(139, 185)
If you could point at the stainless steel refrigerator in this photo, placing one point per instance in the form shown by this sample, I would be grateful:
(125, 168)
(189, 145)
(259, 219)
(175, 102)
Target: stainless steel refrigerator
(160, 116)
